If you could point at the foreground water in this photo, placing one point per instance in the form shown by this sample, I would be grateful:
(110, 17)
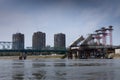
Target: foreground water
(60, 69)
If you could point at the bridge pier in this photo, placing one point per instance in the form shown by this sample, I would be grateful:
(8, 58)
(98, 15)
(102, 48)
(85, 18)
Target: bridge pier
(87, 53)
(69, 55)
(23, 56)
(74, 54)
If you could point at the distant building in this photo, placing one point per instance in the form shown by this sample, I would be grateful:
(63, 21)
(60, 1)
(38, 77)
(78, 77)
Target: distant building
(59, 41)
(38, 40)
(18, 41)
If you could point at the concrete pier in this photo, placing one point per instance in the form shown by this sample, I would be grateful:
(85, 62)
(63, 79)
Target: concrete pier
(23, 56)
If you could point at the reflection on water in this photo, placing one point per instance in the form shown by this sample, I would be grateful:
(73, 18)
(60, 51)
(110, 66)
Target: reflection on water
(58, 69)
(38, 65)
(59, 64)
(18, 70)
(101, 75)
(38, 72)
(39, 75)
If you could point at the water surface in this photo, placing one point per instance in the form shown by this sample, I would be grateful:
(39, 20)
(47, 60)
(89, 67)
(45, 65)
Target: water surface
(60, 69)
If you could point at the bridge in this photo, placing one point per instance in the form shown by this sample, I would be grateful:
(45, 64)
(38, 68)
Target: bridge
(5, 44)
(30, 50)
(93, 45)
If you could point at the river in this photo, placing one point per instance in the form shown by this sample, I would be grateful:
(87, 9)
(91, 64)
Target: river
(60, 69)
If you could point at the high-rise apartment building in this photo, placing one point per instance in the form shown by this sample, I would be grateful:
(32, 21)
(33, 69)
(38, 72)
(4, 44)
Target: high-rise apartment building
(39, 40)
(18, 41)
(59, 41)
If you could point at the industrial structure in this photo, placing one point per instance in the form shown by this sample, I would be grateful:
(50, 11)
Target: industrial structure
(94, 45)
(38, 40)
(59, 41)
(18, 41)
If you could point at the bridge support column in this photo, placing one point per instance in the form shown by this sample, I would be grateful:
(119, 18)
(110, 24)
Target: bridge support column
(78, 55)
(70, 55)
(23, 55)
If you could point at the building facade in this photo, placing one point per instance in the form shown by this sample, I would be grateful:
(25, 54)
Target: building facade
(38, 40)
(59, 41)
(18, 41)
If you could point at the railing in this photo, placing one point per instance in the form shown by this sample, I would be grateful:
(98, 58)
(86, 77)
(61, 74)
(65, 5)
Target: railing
(30, 50)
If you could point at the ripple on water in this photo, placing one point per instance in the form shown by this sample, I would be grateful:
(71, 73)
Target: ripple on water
(59, 69)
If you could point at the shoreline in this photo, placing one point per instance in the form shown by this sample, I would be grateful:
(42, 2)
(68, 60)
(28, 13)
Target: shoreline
(34, 57)
(31, 57)
(114, 56)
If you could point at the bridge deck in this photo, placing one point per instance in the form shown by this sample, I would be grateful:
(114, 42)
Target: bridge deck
(29, 50)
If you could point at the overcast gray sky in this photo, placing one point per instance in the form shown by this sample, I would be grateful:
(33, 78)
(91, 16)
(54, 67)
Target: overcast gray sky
(72, 17)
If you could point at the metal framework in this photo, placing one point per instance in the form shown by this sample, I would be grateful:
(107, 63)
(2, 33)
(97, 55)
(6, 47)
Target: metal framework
(92, 45)
(103, 33)
(30, 50)
(6, 45)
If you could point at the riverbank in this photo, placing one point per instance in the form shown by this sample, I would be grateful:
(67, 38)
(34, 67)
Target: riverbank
(114, 56)
(31, 57)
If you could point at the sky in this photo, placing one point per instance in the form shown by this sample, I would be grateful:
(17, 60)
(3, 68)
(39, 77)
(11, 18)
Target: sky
(71, 17)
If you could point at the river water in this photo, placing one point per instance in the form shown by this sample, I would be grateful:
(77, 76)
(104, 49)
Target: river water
(60, 69)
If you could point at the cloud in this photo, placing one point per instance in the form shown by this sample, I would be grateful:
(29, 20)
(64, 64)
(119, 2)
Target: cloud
(72, 17)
